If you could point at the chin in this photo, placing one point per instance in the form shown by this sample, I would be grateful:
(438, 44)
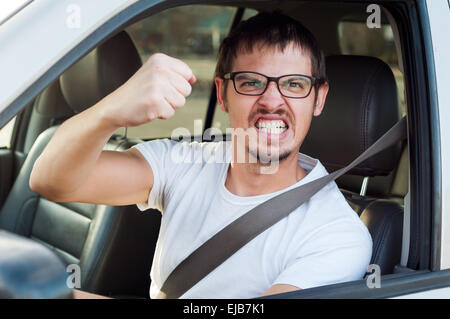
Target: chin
(264, 157)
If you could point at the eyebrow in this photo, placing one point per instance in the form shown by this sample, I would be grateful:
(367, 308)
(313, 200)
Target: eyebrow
(245, 76)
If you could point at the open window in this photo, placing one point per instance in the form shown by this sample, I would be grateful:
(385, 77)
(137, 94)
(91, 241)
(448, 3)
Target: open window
(192, 32)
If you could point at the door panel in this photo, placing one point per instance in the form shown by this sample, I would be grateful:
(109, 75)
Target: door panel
(6, 173)
(390, 286)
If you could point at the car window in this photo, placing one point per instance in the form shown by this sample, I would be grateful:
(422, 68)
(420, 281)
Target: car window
(192, 34)
(6, 133)
(221, 120)
(356, 38)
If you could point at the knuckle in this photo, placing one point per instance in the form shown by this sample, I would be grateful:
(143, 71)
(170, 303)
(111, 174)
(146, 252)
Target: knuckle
(188, 89)
(151, 115)
(167, 114)
(180, 102)
(157, 56)
(153, 100)
(158, 69)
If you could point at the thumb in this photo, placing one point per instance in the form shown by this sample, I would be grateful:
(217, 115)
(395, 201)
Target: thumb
(193, 79)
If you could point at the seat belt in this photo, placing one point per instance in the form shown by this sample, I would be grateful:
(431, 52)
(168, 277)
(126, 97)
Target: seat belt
(241, 231)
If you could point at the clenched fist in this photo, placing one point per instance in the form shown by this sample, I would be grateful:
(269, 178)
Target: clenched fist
(156, 90)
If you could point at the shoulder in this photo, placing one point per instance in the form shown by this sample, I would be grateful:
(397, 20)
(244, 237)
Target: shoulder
(185, 151)
(328, 213)
(331, 217)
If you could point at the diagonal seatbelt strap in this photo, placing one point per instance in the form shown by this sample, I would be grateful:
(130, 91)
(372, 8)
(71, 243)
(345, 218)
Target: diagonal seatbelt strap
(241, 231)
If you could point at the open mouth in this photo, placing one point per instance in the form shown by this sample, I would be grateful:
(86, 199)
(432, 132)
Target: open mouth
(272, 127)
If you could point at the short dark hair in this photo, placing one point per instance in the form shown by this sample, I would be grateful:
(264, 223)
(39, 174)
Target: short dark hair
(270, 30)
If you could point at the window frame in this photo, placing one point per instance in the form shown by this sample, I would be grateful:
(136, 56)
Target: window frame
(422, 160)
(423, 136)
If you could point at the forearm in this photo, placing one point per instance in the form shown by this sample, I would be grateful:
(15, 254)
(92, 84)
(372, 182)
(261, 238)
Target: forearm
(71, 158)
(71, 154)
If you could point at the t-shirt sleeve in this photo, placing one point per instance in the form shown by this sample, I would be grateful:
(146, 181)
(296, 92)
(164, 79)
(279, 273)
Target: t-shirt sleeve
(165, 158)
(338, 252)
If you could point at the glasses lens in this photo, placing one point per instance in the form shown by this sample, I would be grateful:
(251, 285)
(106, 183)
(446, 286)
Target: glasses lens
(295, 85)
(250, 83)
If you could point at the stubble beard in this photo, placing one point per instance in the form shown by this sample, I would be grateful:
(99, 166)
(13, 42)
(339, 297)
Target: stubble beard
(266, 158)
(261, 156)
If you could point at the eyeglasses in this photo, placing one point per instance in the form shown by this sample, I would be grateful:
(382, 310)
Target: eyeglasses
(296, 86)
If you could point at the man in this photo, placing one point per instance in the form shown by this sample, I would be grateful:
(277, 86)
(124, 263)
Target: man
(270, 78)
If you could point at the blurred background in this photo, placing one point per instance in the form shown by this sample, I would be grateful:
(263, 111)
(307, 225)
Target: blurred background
(193, 34)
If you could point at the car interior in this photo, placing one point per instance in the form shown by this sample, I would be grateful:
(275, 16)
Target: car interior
(114, 245)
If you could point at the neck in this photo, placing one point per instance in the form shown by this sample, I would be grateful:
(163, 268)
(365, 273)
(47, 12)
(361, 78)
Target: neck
(250, 179)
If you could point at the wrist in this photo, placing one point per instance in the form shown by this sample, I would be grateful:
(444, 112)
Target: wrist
(103, 115)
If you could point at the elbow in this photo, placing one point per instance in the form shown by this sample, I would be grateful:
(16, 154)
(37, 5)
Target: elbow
(40, 186)
(33, 185)
(33, 182)
(44, 191)
(36, 187)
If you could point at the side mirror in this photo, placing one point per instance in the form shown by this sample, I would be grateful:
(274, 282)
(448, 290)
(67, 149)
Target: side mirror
(30, 270)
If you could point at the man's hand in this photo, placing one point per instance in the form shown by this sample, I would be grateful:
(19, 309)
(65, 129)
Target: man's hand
(79, 294)
(84, 172)
(280, 288)
(156, 90)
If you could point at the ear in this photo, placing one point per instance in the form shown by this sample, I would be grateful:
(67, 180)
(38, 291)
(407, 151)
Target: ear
(220, 91)
(321, 97)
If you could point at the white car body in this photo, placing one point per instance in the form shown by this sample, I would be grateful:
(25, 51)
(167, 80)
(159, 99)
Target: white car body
(34, 40)
(48, 30)
(440, 24)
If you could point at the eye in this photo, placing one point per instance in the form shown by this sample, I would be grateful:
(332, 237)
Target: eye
(252, 83)
(295, 84)
(248, 82)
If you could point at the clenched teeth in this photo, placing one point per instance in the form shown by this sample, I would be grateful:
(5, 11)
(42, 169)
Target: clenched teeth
(275, 130)
(272, 127)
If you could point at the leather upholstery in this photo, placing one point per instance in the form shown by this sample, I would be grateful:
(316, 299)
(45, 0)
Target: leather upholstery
(104, 240)
(100, 72)
(49, 108)
(384, 219)
(113, 245)
(51, 103)
(361, 106)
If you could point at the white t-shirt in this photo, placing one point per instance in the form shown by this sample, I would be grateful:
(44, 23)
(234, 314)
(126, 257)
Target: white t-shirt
(322, 242)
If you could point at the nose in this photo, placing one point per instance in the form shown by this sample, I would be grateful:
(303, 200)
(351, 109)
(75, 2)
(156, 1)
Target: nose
(272, 98)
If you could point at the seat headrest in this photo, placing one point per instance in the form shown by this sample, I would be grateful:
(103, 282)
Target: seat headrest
(100, 72)
(360, 107)
(51, 103)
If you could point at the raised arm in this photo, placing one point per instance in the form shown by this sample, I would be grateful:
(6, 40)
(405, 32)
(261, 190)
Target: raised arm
(74, 167)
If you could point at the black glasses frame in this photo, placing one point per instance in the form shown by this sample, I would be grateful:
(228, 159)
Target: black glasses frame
(232, 75)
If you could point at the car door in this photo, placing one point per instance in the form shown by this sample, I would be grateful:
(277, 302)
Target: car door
(425, 272)
(419, 30)
(6, 159)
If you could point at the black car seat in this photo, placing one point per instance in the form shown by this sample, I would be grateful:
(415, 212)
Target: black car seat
(113, 245)
(362, 105)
